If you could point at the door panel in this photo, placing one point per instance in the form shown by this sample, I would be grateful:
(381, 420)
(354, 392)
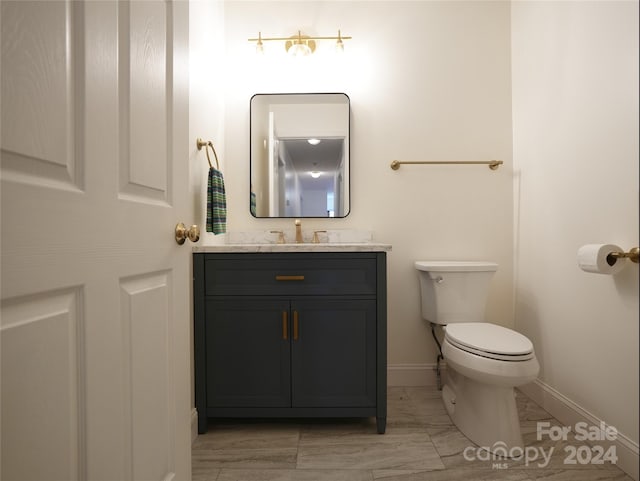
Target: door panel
(248, 353)
(333, 358)
(40, 146)
(145, 83)
(145, 303)
(95, 299)
(42, 367)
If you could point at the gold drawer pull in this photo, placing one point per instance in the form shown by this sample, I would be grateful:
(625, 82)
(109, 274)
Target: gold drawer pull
(289, 278)
(285, 327)
(295, 325)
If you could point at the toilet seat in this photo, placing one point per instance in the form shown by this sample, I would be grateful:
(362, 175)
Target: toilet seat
(490, 341)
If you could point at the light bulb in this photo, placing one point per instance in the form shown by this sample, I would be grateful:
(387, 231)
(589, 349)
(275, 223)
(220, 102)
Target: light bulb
(299, 49)
(300, 45)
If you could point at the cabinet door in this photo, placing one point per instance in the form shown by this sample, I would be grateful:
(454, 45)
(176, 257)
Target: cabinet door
(333, 353)
(248, 353)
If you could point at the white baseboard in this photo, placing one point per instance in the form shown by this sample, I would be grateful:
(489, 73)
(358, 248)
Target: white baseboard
(412, 374)
(194, 425)
(569, 413)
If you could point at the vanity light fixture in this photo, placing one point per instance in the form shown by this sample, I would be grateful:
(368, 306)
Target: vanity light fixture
(313, 141)
(298, 44)
(339, 43)
(259, 44)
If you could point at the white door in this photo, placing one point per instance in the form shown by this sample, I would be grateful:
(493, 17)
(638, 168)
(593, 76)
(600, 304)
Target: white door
(95, 290)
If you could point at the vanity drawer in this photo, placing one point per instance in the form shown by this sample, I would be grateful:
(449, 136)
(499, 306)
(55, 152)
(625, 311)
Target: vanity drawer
(289, 274)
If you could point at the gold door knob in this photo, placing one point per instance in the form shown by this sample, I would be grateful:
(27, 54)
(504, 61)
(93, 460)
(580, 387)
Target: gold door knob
(182, 233)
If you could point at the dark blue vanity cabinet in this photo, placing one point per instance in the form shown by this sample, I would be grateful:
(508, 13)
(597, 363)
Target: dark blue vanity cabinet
(291, 334)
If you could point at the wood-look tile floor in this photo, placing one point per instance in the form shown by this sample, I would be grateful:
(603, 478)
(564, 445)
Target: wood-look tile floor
(421, 443)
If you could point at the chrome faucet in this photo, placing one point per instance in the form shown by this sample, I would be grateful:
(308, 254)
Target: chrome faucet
(298, 231)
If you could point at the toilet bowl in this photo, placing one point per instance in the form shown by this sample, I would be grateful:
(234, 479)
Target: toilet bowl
(484, 361)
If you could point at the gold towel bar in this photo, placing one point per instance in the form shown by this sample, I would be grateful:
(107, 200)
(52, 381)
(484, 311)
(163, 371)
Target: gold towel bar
(493, 164)
(206, 144)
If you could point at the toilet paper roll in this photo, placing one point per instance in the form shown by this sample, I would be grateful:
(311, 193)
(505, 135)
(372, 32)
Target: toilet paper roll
(595, 258)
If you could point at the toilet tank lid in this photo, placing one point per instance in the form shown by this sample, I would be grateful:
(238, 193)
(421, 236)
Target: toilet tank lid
(456, 266)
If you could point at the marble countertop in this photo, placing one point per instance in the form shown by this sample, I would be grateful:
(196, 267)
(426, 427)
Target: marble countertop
(306, 247)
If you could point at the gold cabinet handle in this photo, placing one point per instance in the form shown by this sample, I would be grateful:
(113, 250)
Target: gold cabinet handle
(285, 326)
(289, 278)
(295, 325)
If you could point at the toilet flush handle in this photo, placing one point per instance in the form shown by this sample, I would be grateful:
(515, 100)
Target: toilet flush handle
(439, 280)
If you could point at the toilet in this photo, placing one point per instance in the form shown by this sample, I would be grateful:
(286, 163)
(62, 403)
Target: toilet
(484, 361)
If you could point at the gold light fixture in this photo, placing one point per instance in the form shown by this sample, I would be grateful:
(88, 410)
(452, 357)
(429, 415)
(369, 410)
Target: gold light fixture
(299, 44)
(339, 43)
(259, 44)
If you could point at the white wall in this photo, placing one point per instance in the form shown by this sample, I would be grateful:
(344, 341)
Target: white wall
(432, 81)
(427, 81)
(206, 108)
(575, 104)
(206, 98)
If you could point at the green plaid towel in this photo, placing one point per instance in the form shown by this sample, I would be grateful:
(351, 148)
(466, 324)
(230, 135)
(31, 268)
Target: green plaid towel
(216, 203)
(252, 204)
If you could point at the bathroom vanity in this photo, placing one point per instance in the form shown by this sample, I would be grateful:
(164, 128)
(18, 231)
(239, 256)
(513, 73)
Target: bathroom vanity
(290, 331)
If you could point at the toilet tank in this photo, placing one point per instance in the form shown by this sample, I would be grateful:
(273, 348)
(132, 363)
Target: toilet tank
(454, 291)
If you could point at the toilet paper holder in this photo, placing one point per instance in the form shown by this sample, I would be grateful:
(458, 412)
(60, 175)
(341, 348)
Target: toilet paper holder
(632, 255)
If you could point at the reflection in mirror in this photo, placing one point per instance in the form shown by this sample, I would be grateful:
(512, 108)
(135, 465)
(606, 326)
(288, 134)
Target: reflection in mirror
(299, 155)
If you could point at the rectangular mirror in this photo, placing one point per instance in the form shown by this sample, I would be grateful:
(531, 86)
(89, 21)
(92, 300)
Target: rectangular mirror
(299, 155)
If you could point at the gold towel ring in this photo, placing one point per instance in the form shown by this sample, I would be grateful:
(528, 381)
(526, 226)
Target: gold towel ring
(206, 144)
